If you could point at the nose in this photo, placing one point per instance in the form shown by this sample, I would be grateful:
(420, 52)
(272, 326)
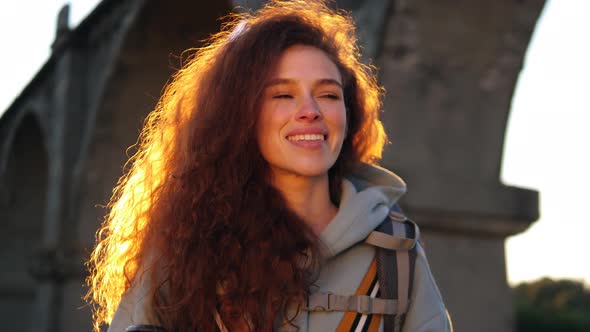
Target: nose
(308, 111)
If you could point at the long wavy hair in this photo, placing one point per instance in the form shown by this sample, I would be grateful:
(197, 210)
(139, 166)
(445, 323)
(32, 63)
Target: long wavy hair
(196, 209)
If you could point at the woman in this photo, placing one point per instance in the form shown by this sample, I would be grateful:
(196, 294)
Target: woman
(254, 186)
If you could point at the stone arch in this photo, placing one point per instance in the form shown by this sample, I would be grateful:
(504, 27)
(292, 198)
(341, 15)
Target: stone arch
(22, 213)
(145, 61)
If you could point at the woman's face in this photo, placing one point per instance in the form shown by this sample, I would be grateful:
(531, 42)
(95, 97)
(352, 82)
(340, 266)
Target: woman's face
(302, 123)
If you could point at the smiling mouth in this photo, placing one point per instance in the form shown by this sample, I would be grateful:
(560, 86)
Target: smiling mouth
(307, 137)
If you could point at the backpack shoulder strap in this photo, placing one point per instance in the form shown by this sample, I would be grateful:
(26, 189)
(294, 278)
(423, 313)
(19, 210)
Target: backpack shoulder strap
(395, 240)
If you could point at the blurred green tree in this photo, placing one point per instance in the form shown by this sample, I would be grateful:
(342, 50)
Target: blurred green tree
(548, 305)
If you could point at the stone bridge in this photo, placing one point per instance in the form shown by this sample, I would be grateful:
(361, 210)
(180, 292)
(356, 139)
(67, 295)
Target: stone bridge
(449, 68)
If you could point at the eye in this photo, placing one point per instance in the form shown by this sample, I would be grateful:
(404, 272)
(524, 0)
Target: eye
(282, 96)
(330, 96)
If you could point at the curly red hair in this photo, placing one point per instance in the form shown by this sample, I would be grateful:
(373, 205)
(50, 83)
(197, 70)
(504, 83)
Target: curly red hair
(197, 203)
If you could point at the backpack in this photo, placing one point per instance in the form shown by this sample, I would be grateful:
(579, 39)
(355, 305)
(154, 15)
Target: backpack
(395, 241)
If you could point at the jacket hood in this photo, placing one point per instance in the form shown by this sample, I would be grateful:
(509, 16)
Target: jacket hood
(367, 196)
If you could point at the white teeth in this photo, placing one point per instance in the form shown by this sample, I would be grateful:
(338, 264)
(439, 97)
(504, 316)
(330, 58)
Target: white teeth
(306, 137)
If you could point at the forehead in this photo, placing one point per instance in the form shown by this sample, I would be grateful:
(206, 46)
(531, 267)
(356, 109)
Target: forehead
(306, 63)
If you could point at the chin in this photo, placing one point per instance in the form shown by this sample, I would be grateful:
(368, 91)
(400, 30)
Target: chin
(315, 170)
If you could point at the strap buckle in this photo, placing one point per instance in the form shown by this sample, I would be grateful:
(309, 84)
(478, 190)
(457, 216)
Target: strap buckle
(320, 302)
(364, 304)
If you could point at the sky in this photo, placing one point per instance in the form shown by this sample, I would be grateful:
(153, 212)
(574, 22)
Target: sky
(547, 140)
(548, 145)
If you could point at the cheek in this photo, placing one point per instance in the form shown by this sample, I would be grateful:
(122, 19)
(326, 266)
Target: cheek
(270, 123)
(272, 119)
(338, 119)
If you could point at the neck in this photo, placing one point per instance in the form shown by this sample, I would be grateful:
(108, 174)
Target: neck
(309, 198)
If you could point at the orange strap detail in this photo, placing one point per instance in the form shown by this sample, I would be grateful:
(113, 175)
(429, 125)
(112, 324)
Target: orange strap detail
(350, 320)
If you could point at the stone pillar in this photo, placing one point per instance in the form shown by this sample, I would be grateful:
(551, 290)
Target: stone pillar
(450, 69)
(23, 194)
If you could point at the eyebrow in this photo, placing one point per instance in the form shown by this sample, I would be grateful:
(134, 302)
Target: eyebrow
(323, 81)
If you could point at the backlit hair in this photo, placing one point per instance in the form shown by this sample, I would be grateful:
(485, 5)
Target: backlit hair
(196, 210)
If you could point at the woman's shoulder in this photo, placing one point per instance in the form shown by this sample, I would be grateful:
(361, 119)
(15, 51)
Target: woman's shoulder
(136, 307)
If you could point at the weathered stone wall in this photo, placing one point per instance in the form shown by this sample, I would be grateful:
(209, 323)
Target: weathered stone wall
(450, 69)
(22, 208)
(471, 273)
(90, 100)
